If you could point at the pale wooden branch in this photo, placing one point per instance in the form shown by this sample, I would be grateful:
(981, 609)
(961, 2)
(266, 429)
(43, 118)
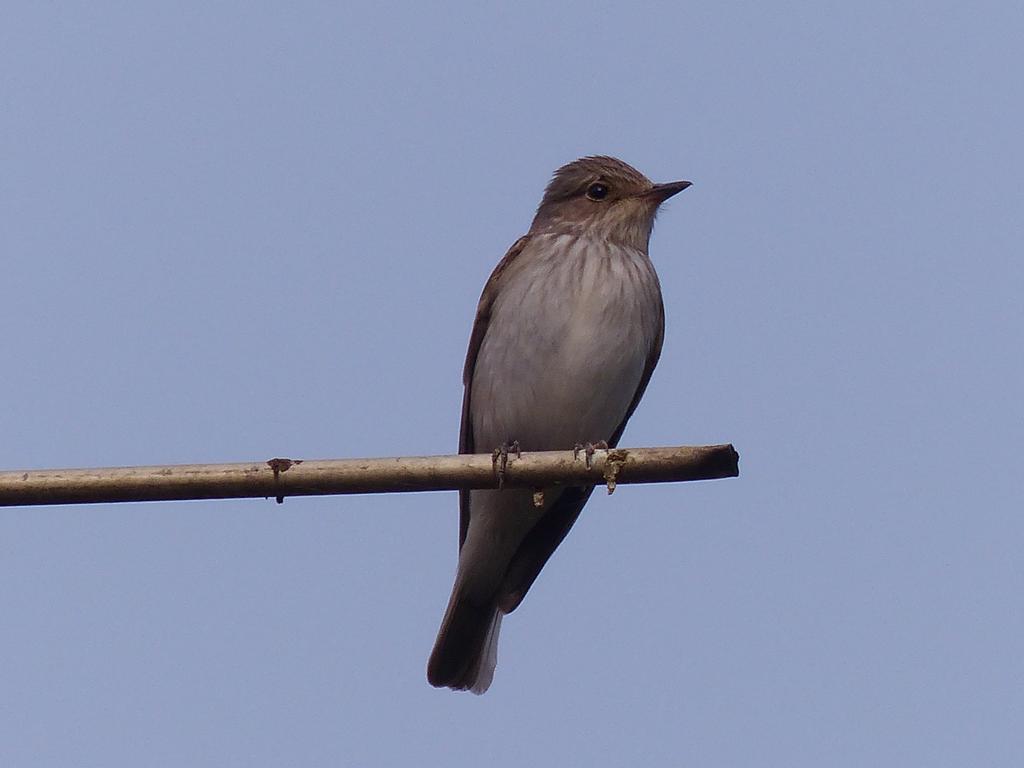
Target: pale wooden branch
(278, 478)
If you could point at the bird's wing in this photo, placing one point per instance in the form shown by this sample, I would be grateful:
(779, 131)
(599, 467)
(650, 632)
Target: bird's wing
(476, 338)
(541, 542)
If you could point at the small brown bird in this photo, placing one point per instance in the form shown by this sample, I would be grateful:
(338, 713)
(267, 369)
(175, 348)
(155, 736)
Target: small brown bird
(567, 334)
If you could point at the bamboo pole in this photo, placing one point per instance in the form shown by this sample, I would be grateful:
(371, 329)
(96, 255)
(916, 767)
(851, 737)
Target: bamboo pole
(278, 478)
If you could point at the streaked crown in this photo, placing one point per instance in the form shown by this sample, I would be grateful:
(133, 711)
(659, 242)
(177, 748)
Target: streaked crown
(602, 197)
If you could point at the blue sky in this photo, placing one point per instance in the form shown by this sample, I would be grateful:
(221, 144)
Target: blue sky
(234, 232)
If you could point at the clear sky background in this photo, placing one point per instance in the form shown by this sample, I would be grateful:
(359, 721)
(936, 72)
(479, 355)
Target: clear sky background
(231, 232)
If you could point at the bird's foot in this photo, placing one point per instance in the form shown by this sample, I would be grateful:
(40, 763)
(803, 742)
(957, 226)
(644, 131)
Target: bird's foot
(588, 450)
(499, 458)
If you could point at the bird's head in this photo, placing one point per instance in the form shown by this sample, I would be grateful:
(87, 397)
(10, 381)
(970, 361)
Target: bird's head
(605, 198)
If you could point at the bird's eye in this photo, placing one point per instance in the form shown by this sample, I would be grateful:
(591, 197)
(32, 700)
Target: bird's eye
(597, 191)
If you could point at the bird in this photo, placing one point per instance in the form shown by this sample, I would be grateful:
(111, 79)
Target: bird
(567, 333)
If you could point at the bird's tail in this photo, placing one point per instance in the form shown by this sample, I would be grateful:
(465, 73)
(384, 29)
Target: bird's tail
(466, 650)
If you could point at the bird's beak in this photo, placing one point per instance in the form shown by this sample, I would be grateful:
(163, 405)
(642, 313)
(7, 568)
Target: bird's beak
(662, 192)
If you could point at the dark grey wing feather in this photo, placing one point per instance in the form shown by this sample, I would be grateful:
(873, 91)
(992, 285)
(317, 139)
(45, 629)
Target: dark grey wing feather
(538, 546)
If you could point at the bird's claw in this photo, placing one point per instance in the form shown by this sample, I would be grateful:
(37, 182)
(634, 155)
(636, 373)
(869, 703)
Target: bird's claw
(588, 450)
(499, 459)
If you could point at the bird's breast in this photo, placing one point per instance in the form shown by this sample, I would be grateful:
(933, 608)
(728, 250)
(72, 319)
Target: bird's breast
(567, 344)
